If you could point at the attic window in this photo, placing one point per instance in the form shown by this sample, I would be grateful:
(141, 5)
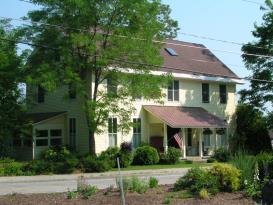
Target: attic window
(171, 51)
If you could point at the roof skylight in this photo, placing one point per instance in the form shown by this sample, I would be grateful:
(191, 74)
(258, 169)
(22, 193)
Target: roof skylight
(171, 51)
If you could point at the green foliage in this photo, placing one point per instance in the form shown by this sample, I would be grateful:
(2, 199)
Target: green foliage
(203, 194)
(222, 155)
(56, 154)
(140, 19)
(71, 194)
(173, 155)
(12, 107)
(265, 165)
(93, 164)
(167, 200)
(134, 184)
(260, 92)
(125, 158)
(110, 155)
(228, 176)
(13, 169)
(84, 189)
(153, 182)
(65, 167)
(251, 131)
(245, 163)
(197, 179)
(211, 160)
(37, 167)
(146, 155)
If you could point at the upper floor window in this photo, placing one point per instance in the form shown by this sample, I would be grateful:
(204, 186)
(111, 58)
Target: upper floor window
(41, 94)
(136, 132)
(72, 90)
(111, 87)
(112, 131)
(205, 92)
(223, 94)
(173, 91)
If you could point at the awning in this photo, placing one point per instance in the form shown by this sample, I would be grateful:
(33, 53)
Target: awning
(39, 117)
(185, 117)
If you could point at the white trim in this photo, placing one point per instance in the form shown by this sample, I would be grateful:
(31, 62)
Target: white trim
(185, 76)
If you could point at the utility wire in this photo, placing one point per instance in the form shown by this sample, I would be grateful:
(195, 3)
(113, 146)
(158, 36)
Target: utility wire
(143, 64)
(142, 39)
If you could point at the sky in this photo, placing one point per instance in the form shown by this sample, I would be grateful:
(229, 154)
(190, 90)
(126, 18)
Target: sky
(230, 20)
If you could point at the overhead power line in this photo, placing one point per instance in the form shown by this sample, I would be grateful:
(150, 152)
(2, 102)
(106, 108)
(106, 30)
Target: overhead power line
(142, 39)
(141, 64)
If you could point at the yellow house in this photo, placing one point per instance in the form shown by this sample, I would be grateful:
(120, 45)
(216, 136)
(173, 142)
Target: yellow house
(197, 114)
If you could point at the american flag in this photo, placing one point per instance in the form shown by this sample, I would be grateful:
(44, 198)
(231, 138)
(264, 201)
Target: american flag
(179, 140)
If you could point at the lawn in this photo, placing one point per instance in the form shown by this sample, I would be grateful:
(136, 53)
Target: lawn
(182, 164)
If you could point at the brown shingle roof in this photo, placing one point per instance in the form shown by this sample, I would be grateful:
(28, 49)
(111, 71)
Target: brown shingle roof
(187, 117)
(194, 60)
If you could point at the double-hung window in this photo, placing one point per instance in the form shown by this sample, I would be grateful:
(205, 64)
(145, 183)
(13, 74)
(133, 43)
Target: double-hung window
(51, 137)
(205, 92)
(136, 132)
(223, 94)
(112, 131)
(111, 87)
(173, 91)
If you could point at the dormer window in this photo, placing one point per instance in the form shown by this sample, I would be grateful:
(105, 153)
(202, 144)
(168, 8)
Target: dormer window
(171, 51)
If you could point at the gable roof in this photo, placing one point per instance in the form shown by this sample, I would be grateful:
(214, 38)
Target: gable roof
(39, 117)
(191, 59)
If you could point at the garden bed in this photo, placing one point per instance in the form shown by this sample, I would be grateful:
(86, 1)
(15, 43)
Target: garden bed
(105, 197)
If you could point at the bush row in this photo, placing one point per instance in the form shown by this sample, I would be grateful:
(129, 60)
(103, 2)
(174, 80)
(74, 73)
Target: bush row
(60, 160)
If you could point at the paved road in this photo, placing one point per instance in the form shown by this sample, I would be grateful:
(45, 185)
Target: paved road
(61, 183)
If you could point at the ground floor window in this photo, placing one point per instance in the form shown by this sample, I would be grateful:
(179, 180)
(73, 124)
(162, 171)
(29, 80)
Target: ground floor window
(51, 137)
(206, 140)
(112, 131)
(136, 132)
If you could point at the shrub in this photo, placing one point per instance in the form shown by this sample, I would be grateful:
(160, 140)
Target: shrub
(197, 179)
(84, 189)
(228, 176)
(13, 169)
(56, 154)
(146, 155)
(71, 194)
(125, 158)
(211, 160)
(222, 155)
(203, 194)
(265, 165)
(126, 147)
(110, 155)
(134, 184)
(153, 182)
(173, 155)
(93, 164)
(246, 164)
(38, 167)
(67, 166)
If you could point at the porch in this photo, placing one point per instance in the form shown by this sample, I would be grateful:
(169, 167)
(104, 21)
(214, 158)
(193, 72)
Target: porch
(192, 129)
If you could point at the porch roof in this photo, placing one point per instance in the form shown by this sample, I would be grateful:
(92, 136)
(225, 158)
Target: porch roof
(39, 117)
(185, 117)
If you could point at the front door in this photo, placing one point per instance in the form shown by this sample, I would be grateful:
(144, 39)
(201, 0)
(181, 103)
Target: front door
(191, 143)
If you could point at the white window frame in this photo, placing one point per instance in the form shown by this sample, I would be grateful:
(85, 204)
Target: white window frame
(136, 132)
(173, 91)
(112, 133)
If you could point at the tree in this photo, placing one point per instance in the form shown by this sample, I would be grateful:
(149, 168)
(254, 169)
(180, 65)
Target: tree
(260, 92)
(251, 132)
(95, 39)
(10, 96)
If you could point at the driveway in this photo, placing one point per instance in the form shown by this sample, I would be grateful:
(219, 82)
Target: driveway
(62, 183)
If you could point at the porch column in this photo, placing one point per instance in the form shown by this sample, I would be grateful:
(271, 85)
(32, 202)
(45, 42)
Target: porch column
(33, 142)
(184, 142)
(200, 143)
(215, 137)
(165, 139)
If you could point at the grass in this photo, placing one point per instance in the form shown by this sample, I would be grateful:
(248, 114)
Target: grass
(164, 166)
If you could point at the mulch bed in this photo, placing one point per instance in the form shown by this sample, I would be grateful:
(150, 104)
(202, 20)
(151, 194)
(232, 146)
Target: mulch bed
(104, 197)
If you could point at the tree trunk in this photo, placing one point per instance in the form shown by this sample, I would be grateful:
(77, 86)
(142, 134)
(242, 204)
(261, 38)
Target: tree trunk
(92, 146)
